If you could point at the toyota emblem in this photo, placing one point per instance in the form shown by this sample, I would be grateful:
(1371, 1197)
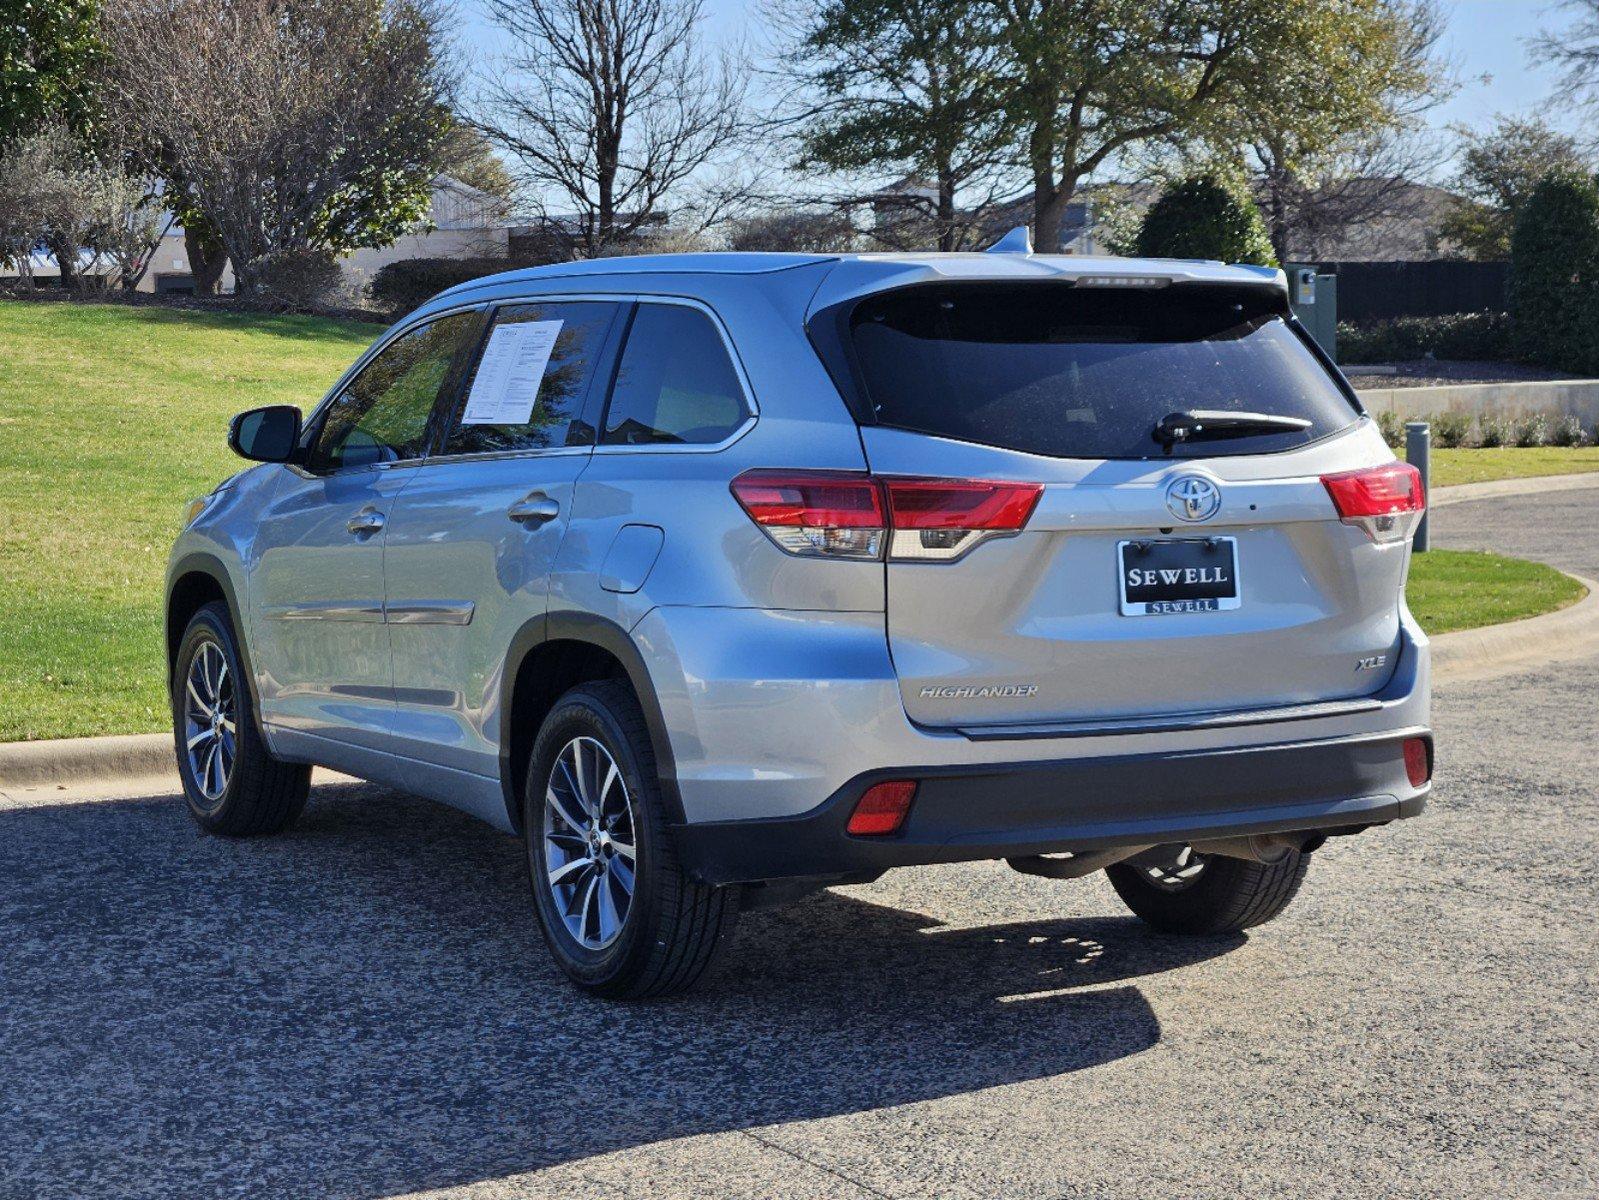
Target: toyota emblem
(1192, 498)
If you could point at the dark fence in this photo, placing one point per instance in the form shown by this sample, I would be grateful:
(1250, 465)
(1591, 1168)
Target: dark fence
(1373, 291)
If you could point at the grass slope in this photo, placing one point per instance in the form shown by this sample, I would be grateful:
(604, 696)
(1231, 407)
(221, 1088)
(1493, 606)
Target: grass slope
(110, 419)
(1463, 589)
(1510, 462)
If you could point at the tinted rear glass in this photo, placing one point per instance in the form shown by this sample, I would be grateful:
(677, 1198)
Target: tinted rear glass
(1087, 372)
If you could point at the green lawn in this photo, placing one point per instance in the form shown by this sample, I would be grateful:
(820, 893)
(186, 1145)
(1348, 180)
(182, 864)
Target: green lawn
(1462, 589)
(1510, 462)
(110, 419)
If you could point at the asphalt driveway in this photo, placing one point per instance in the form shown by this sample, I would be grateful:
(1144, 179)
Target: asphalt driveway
(363, 1008)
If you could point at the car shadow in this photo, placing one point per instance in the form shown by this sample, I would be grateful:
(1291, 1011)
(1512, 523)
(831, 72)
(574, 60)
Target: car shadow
(364, 1007)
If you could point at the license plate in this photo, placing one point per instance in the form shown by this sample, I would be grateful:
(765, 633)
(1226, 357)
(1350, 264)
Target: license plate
(1178, 575)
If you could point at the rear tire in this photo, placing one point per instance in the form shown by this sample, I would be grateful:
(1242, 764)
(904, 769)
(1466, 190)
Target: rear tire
(618, 912)
(233, 784)
(1226, 896)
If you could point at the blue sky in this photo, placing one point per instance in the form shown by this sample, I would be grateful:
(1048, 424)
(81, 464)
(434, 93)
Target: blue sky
(1487, 39)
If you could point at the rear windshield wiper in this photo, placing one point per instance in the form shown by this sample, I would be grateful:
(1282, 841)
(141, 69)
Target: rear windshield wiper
(1203, 424)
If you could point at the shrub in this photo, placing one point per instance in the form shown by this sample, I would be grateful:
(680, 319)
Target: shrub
(1493, 431)
(298, 278)
(1479, 337)
(1392, 427)
(1203, 217)
(1532, 430)
(402, 286)
(1568, 431)
(1554, 278)
(1450, 430)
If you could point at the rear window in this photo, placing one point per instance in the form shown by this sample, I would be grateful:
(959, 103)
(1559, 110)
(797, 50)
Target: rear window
(1087, 372)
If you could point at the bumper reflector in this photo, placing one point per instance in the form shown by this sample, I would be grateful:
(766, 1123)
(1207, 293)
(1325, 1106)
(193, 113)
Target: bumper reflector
(1418, 761)
(882, 809)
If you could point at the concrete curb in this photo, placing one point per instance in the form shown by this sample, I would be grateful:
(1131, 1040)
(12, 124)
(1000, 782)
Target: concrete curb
(1568, 632)
(73, 760)
(1469, 654)
(1533, 485)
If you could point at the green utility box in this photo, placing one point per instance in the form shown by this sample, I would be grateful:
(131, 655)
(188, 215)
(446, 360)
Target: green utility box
(1315, 301)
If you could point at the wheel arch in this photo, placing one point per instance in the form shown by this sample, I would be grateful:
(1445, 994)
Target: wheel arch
(556, 652)
(193, 582)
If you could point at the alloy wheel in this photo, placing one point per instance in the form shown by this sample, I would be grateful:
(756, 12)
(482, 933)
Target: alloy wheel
(210, 714)
(590, 848)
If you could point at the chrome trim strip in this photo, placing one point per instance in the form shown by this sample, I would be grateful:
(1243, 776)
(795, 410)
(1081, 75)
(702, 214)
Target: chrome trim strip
(1176, 723)
(430, 612)
(364, 611)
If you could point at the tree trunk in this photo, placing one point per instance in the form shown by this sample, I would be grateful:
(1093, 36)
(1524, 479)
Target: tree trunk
(946, 212)
(1049, 212)
(66, 256)
(207, 257)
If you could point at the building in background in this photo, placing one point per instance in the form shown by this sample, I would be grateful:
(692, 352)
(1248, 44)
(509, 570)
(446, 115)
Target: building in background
(462, 222)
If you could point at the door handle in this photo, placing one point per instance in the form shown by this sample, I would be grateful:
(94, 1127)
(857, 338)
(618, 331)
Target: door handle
(368, 520)
(535, 508)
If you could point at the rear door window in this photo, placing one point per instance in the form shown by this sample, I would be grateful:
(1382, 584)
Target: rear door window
(1085, 372)
(527, 388)
(675, 384)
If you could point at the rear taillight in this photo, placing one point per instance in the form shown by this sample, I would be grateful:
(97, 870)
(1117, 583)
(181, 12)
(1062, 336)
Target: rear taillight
(882, 809)
(1386, 501)
(839, 514)
(834, 514)
(1418, 760)
(944, 518)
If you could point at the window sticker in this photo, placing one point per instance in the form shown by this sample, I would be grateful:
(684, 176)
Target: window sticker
(507, 382)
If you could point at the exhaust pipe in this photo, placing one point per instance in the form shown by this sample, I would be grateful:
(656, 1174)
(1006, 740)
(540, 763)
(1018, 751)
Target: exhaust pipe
(1052, 866)
(1268, 849)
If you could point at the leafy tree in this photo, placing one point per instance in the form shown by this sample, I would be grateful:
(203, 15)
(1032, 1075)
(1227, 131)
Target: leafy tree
(1499, 172)
(1554, 284)
(287, 129)
(1094, 79)
(1204, 217)
(469, 156)
(48, 49)
(908, 87)
(1336, 150)
(58, 191)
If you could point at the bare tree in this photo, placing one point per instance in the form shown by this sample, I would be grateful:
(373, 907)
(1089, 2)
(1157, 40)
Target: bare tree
(611, 109)
(297, 129)
(794, 230)
(1575, 49)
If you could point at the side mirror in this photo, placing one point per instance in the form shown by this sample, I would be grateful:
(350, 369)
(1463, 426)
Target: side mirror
(270, 434)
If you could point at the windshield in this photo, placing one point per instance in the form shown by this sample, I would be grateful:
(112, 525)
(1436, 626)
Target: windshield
(1078, 372)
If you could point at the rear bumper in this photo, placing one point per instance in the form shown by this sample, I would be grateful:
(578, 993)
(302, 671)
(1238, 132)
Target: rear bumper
(1038, 807)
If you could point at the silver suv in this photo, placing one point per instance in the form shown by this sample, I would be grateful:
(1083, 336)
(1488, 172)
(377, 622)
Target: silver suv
(719, 578)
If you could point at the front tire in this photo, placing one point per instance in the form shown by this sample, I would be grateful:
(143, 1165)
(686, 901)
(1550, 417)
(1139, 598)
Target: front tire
(233, 785)
(1178, 891)
(619, 914)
